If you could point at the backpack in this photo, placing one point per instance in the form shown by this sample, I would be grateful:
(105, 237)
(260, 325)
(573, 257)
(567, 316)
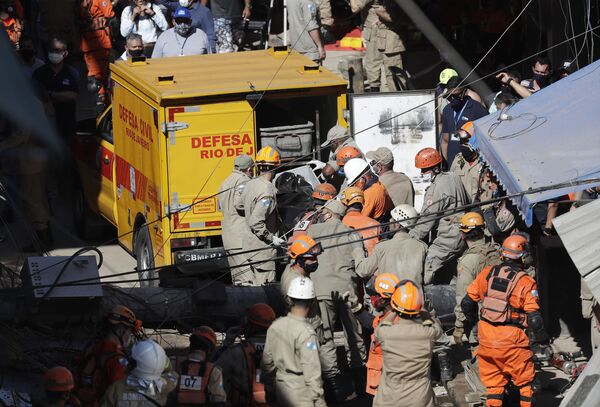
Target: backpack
(496, 307)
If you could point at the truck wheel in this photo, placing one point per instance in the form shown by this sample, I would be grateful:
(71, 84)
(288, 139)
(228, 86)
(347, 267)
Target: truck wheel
(145, 258)
(82, 216)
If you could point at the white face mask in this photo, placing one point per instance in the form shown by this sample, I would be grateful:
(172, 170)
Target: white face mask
(427, 177)
(185, 3)
(56, 57)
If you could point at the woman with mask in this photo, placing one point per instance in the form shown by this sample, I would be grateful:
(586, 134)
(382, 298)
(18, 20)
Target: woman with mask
(146, 19)
(183, 39)
(202, 17)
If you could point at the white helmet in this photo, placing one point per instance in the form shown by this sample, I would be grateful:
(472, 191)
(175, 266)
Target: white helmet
(150, 359)
(354, 169)
(405, 212)
(301, 288)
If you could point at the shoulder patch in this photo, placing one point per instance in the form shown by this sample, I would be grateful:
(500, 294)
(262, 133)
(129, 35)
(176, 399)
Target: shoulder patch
(311, 345)
(534, 293)
(429, 202)
(312, 8)
(266, 202)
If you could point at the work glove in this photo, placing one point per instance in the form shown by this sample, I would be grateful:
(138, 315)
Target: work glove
(278, 241)
(458, 335)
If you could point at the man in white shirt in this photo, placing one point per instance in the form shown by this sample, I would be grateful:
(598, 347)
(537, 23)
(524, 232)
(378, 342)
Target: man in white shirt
(134, 47)
(182, 39)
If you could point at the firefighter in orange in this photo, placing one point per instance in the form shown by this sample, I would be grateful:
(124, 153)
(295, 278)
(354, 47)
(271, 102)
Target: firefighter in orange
(96, 43)
(11, 19)
(345, 154)
(58, 384)
(240, 361)
(385, 284)
(200, 381)
(354, 199)
(105, 361)
(321, 194)
(509, 305)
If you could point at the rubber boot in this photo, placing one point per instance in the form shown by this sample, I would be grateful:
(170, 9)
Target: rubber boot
(359, 375)
(334, 390)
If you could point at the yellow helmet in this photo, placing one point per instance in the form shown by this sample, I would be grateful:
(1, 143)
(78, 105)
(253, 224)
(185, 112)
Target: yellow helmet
(407, 298)
(268, 156)
(352, 195)
(470, 221)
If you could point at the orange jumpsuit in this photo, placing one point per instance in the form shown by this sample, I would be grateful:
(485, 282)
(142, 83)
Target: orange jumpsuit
(95, 38)
(377, 201)
(504, 351)
(375, 360)
(356, 220)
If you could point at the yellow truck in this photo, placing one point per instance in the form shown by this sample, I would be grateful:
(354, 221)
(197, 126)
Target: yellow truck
(160, 152)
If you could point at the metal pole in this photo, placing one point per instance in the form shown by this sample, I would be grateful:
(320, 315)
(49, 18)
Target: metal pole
(446, 50)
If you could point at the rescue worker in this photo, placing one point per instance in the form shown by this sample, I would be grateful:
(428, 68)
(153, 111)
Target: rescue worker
(406, 338)
(397, 185)
(260, 208)
(373, 58)
(149, 381)
(377, 201)
(390, 44)
(344, 155)
(353, 199)
(337, 137)
(401, 255)
(303, 252)
(468, 166)
(445, 193)
(508, 300)
(499, 217)
(321, 194)
(385, 284)
(291, 355)
(234, 224)
(96, 43)
(333, 278)
(240, 362)
(58, 384)
(102, 363)
(200, 381)
(478, 255)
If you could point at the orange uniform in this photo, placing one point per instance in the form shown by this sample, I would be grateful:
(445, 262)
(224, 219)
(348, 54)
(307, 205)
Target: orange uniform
(95, 37)
(504, 351)
(375, 360)
(356, 220)
(14, 29)
(377, 201)
(103, 364)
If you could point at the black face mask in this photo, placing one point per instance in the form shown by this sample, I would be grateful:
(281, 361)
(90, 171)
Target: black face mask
(308, 268)
(542, 80)
(456, 102)
(26, 54)
(136, 52)
(468, 152)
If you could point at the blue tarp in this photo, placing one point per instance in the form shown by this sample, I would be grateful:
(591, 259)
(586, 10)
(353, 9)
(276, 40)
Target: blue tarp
(549, 138)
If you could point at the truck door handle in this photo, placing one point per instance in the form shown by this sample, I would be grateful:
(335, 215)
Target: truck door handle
(106, 160)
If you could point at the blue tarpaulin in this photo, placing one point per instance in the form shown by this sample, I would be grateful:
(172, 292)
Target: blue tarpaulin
(549, 138)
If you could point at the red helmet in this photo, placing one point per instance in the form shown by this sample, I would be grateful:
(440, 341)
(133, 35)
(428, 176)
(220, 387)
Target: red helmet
(58, 379)
(260, 315)
(427, 158)
(207, 333)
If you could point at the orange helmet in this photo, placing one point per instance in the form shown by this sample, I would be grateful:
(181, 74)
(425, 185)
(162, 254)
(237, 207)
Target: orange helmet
(470, 221)
(260, 315)
(58, 379)
(385, 284)
(120, 314)
(268, 156)
(352, 195)
(427, 157)
(207, 333)
(304, 246)
(514, 247)
(346, 153)
(407, 298)
(468, 128)
(324, 192)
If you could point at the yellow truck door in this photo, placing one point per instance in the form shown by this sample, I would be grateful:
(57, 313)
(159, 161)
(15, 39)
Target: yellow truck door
(202, 143)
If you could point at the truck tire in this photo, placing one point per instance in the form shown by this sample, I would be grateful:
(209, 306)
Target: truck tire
(83, 217)
(145, 257)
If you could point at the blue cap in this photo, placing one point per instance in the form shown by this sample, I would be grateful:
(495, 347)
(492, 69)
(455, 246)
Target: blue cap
(182, 12)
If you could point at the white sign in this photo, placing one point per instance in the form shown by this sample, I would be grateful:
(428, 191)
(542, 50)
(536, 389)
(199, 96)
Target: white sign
(190, 382)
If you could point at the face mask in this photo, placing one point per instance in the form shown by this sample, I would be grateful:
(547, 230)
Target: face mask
(426, 177)
(26, 54)
(183, 29)
(136, 52)
(185, 3)
(370, 182)
(456, 102)
(309, 268)
(468, 152)
(542, 80)
(55, 57)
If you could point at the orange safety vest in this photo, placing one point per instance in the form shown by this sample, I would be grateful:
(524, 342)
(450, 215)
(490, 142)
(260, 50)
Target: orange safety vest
(102, 364)
(495, 307)
(253, 355)
(193, 382)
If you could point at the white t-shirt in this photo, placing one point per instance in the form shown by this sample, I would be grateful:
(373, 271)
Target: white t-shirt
(148, 27)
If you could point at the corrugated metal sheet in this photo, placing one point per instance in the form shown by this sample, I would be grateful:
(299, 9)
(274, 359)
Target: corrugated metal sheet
(552, 137)
(222, 74)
